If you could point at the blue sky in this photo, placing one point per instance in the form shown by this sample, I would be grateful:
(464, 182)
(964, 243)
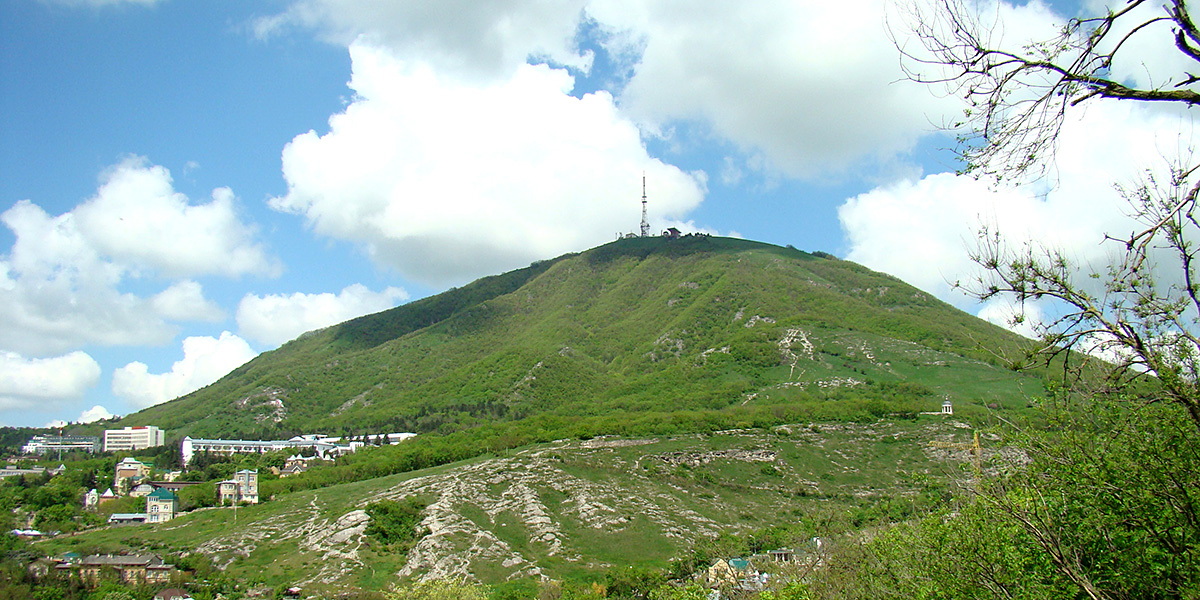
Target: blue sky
(186, 184)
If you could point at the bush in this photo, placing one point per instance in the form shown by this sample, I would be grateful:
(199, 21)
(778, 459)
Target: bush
(396, 524)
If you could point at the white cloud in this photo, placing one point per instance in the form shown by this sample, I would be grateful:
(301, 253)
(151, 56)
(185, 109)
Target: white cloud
(1027, 320)
(205, 360)
(811, 85)
(137, 218)
(922, 231)
(275, 319)
(447, 182)
(57, 293)
(95, 413)
(31, 383)
(469, 38)
(185, 301)
(61, 282)
(803, 87)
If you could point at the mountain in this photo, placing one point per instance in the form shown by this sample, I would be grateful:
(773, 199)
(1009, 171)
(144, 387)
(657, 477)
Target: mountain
(637, 326)
(650, 403)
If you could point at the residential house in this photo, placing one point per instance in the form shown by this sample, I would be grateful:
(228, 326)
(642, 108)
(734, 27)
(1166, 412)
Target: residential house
(227, 492)
(130, 569)
(129, 472)
(734, 573)
(247, 481)
(242, 488)
(295, 464)
(174, 486)
(107, 496)
(141, 490)
(91, 499)
(173, 594)
(161, 506)
(126, 518)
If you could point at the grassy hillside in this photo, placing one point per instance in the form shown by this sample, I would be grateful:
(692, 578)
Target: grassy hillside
(573, 510)
(636, 325)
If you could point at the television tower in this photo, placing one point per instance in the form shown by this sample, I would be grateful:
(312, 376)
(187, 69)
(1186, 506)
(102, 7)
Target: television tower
(645, 221)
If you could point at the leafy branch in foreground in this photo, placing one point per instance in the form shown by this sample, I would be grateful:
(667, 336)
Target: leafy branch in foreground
(1017, 96)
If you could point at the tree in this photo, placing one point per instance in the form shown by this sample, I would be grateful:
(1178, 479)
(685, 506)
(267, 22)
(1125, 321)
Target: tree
(1107, 506)
(1017, 97)
(1142, 313)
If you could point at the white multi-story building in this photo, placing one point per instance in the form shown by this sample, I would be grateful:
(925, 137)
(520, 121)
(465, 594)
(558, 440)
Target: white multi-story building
(132, 438)
(41, 444)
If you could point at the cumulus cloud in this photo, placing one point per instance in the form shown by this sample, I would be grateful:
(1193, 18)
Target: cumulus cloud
(469, 38)
(446, 182)
(61, 282)
(205, 360)
(275, 319)
(803, 87)
(922, 231)
(185, 300)
(27, 383)
(137, 218)
(810, 86)
(95, 413)
(1027, 319)
(57, 292)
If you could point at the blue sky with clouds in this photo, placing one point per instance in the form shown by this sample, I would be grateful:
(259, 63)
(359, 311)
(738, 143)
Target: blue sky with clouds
(186, 184)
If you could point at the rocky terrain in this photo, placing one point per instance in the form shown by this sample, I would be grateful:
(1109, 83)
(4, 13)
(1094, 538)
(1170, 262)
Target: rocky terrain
(574, 505)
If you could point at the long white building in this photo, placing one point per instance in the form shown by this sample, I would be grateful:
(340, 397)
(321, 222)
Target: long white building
(323, 446)
(42, 444)
(132, 438)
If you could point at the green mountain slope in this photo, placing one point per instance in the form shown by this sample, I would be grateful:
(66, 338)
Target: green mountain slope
(572, 510)
(646, 324)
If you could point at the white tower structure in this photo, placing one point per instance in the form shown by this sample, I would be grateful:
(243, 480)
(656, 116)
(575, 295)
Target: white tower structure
(645, 221)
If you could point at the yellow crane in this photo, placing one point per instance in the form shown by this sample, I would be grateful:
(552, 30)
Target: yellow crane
(972, 447)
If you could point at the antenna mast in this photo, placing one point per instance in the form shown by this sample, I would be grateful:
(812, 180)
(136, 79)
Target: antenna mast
(645, 221)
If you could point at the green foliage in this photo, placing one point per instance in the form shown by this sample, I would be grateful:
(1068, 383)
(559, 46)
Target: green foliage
(438, 589)
(792, 591)
(634, 583)
(396, 524)
(1107, 508)
(521, 589)
(672, 592)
